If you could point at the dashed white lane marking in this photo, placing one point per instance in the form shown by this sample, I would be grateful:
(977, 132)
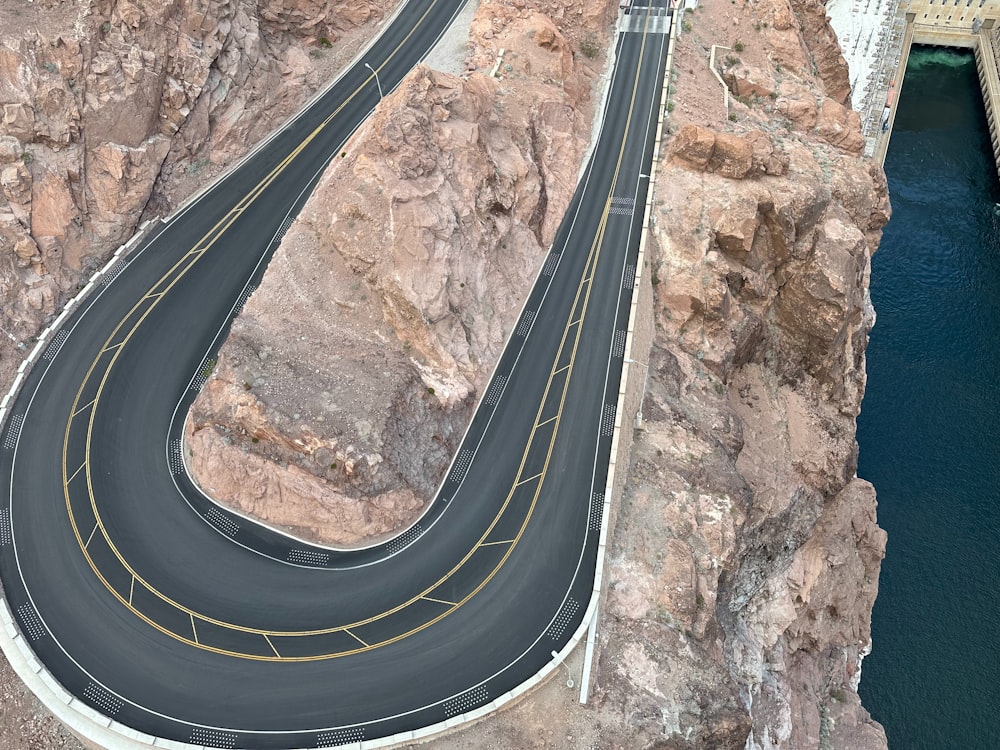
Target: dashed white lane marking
(618, 349)
(174, 457)
(467, 701)
(608, 420)
(461, 466)
(213, 738)
(221, 521)
(203, 373)
(13, 430)
(550, 264)
(596, 511)
(336, 737)
(307, 557)
(404, 539)
(628, 282)
(284, 227)
(493, 394)
(622, 206)
(562, 621)
(113, 272)
(30, 621)
(526, 321)
(244, 297)
(635, 21)
(109, 703)
(53, 348)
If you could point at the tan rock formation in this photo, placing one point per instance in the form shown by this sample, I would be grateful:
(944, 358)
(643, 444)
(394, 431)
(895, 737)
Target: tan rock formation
(100, 101)
(419, 246)
(745, 558)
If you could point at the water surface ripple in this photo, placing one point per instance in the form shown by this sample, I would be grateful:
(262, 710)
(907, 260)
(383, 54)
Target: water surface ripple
(930, 424)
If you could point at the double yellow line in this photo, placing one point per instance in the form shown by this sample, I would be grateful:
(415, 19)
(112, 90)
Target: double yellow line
(181, 268)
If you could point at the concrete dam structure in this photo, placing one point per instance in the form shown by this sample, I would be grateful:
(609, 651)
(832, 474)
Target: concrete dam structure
(876, 37)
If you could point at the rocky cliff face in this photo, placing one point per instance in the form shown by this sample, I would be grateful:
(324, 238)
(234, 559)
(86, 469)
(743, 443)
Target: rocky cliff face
(111, 111)
(745, 559)
(746, 563)
(757, 556)
(417, 247)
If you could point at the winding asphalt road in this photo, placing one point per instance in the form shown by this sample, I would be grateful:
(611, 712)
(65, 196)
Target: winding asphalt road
(185, 622)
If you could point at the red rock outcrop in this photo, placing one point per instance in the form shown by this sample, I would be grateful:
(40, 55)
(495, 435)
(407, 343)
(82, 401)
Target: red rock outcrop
(745, 556)
(110, 110)
(419, 246)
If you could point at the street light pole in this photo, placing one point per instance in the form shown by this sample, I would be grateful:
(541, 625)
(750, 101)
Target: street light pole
(645, 380)
(375, 73)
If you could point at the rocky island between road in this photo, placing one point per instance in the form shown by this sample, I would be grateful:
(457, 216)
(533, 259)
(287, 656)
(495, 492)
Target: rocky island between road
(745, 552)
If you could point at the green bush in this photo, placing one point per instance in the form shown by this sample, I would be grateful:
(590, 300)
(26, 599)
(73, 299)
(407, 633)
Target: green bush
(589, 46)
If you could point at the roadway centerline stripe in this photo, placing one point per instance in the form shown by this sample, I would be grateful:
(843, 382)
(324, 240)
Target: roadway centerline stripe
(529, 479)
(86, 406)
(592, 263)
(359, 640)
(438, 601)
(76, 472)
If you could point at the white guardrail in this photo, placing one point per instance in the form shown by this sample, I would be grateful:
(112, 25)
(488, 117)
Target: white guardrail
(96, 728)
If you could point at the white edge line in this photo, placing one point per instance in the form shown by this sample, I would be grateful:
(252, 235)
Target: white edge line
(79, 717)
(584, 176)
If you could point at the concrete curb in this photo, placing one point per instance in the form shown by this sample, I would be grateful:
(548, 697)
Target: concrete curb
(635, 339)
(94, 727)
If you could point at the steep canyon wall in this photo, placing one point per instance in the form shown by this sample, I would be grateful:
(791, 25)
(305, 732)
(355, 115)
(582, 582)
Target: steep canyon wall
(745, 557)
(349, 378)
(113, 111)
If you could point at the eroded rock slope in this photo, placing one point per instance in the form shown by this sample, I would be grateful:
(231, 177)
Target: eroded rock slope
(348, 380)
(112, 111)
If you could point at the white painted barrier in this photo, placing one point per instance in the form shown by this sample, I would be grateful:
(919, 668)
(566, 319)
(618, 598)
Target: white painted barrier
(97, 728)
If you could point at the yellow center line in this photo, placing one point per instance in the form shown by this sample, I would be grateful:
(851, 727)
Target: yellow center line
(224, 224)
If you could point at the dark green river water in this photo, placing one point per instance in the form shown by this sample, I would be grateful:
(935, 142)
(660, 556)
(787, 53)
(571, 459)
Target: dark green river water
(930, 424)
